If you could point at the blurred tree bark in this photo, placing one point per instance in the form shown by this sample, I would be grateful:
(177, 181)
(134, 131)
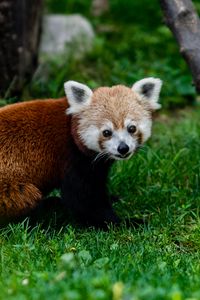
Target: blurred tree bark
(183, 20)
(20, 27)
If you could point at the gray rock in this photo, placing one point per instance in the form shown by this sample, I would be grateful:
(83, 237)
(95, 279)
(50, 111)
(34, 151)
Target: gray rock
(66, 34)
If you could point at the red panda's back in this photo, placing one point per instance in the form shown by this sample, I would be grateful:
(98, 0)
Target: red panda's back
(34, 142)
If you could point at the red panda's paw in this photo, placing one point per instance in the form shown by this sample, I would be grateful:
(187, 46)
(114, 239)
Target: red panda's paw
(17, 199)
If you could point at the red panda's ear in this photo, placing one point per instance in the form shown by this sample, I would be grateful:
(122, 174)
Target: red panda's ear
(149, 89)
(78, 95)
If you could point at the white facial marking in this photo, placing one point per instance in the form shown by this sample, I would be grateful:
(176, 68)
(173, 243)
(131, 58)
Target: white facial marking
(107, 126)
(145, 128)
(90, 138)
(129, 122)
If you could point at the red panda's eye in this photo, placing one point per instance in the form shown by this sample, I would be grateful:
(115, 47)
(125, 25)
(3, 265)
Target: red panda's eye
(132, 129)
(107, 133)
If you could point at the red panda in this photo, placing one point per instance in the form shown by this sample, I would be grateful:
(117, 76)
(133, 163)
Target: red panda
(70, 143)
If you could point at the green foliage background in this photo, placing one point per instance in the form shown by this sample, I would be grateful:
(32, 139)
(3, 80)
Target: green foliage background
(131, 42)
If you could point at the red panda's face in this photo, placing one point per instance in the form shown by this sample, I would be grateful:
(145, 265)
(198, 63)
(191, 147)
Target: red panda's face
(115, 121)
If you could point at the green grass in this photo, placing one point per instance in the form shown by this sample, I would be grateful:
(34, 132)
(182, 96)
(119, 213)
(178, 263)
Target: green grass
(160, 260)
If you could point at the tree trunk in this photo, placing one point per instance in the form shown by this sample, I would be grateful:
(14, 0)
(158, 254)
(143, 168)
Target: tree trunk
(20, 27)
(183, 20)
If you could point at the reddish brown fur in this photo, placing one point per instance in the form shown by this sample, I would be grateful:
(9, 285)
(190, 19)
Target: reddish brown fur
(35, 142)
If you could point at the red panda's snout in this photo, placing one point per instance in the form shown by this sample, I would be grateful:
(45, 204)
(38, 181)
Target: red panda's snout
(113, 122)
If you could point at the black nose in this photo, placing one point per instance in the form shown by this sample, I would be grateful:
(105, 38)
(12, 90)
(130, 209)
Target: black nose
(123, 148)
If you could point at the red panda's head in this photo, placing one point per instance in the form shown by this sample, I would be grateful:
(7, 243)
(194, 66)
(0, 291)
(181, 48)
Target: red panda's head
(113, 121)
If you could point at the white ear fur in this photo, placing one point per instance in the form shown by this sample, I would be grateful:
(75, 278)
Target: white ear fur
(149, 89)
(78, 95)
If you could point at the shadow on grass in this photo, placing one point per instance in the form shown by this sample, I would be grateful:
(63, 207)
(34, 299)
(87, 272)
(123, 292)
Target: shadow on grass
(52, 213)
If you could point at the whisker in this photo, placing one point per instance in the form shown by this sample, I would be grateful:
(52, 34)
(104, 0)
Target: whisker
(100, 156)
